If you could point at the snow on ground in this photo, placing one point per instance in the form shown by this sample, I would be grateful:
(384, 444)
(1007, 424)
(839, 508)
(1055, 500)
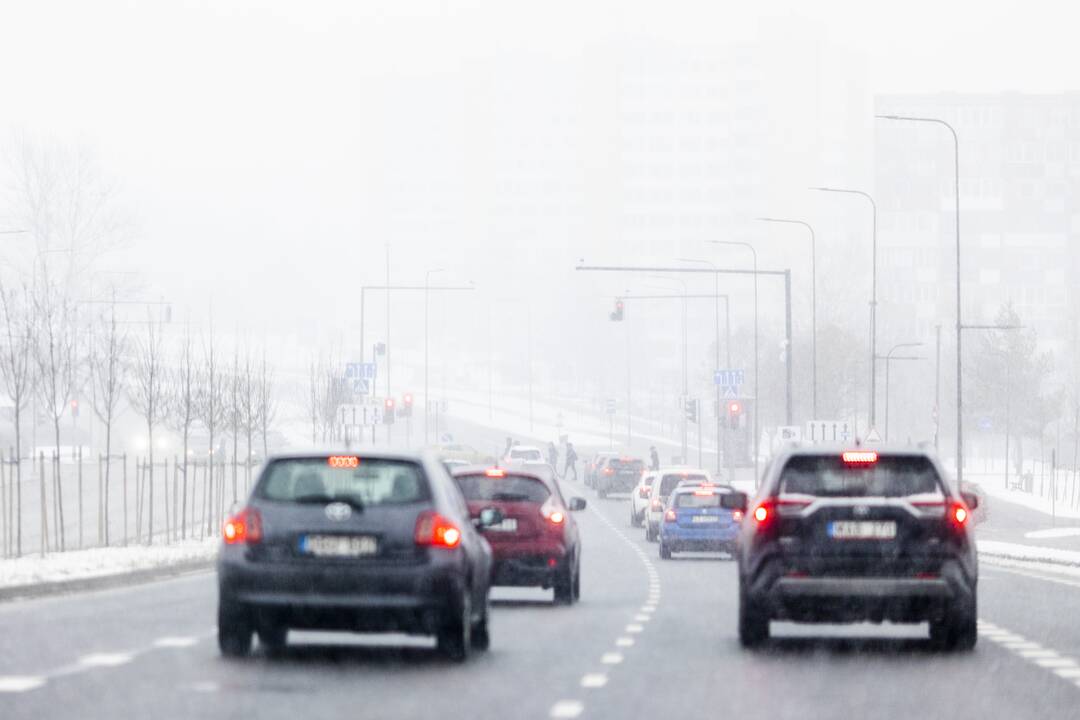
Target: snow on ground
(994, 486)
(100, 562)
(1028, 553)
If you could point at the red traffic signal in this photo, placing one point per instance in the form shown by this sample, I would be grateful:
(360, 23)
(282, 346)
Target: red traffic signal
(388, 411)
(406, 405)
(734, 411)
(617, 314)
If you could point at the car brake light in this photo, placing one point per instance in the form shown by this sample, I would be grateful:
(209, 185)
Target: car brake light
(670, 516)
(860, 457)
(959, 514)
(656, 504)
(761, 513)
(435, 530)
(609, 471)
(552, 513)
(737, 515)
(343, 461)
(645, 492)
(704, 492)
(495, 472)
(243, 527)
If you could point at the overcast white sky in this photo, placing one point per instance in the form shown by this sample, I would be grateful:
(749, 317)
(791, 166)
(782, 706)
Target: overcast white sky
(249, 137)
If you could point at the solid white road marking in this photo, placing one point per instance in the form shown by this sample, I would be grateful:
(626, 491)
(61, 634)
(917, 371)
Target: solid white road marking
(566, 709)
(594, 680)
(106, 659)
(611, 658)
(20, 683)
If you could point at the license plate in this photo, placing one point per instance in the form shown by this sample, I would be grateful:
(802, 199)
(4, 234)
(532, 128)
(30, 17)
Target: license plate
(704, 519)
(862, 530)
(347, 546)
(507, 525)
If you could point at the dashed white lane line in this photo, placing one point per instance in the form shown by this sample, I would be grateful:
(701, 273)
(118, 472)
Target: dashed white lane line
(1039, 656)
(106, 659)
(642, 618)
(20, 683)
(566, 709)
(175, 642)
(611, 658)
(594, 680)
(634, 628)
(624, 642)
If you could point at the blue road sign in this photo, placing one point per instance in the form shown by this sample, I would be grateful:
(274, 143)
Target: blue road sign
(729, 378)
(356, 370)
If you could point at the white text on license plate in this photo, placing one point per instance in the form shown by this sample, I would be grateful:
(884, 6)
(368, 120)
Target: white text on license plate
(338, 545)
(704, 519)
(507, 525)
(862, 530)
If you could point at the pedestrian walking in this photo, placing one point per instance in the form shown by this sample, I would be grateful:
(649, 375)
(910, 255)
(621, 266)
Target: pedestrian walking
(571, 462)
(553, 456)
(654, 458)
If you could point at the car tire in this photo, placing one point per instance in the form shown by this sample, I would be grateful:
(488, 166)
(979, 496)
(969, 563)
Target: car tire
(753, 623)
(665, 551)
(577, 584)
(454, 639)
(564, 586)
(650, 534)
(957, 631)
(601, 493)
(273, 637)
(634, 522)
(235, 629)
(481, 632)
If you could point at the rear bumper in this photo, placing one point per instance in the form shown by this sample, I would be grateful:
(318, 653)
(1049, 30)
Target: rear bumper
(616, 483)
(677, 537)
(857, 598)
(336, 596)
(528, 566)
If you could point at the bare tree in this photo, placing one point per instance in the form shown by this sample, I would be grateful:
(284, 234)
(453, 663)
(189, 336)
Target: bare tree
(147, 395)
(54, 357)
(212, 411)
(183, 410)
(265, 406)
(249, 420)
(107, 351)
(17, 373)
(235, 412)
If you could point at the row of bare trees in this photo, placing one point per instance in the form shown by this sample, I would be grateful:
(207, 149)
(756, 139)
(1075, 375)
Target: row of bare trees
(181, 384)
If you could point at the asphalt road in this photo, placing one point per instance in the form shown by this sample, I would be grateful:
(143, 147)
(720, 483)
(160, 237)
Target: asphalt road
(650, 638)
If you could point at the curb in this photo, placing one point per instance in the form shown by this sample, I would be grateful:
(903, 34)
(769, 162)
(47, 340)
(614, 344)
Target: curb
(104, 582)
(1023, 558)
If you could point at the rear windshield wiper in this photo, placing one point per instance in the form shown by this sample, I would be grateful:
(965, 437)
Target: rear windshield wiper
(354, 503)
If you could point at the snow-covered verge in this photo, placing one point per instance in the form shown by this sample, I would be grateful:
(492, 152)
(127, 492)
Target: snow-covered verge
(994, 486)
(1028, 553)
(81, 565)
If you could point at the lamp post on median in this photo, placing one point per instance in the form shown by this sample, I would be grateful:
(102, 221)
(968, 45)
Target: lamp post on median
(959, 320)
(813, 295)
(757, 399)
(685, 379)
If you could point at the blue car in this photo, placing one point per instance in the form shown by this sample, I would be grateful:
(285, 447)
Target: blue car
(695, 521)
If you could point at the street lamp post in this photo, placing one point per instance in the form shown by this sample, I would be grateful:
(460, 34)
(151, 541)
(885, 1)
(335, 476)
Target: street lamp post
(888, 361)
(757, 399)
(813, 296)
(427, 397)
(873, 294)
(959, 320)
(685, 379)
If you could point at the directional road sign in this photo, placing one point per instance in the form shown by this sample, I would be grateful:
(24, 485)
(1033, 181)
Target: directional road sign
(611, 406)
(729, 382)
(361, 415)
(828, 431)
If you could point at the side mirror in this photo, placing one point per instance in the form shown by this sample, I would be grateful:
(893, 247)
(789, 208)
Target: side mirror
(489, 517)
(970, 499)
(733, 501)
(576, 504)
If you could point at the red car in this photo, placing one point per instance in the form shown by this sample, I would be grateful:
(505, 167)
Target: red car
(537, 542)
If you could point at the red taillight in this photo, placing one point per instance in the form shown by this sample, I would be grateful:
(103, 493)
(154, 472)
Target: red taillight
(860, 457)
(495, 472)
(737, 515)
(645, 492)
(609, 471)
(553, 513)
(703, 492)
(670, 516)
(761, 513)
(959, 513)
(656, 504)
(243, 527)
(435, 530)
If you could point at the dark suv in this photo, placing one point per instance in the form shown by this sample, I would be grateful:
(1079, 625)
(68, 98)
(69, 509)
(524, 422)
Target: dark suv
(857, 535)
(370, 542)
(618, 475)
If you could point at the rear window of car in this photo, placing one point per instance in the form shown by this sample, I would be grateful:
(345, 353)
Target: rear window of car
(353, 479)
(618, 464)
(510, 488)
(690, 500)
(830, 476)
(670, 482)
(525, 455)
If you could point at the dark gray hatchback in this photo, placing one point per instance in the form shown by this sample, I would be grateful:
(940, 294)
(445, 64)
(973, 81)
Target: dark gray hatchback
(368, 542)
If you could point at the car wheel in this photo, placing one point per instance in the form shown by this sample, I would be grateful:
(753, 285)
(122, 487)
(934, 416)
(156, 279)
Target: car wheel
(454, 639)
(564, 586)
(650, 534)
(273, 637)
(481, 634)
(235, 629)
(958, 630)
(665, 551)
(577, 584)
(601, 493)
(753, 623)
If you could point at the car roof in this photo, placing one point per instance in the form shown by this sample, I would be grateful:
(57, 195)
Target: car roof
(681, 470)
(524, 447)
(888, 449)
(371, 454)
(509, 470)
(688, 489)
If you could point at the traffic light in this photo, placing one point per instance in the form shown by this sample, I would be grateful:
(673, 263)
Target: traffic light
(406, 405)
(388, 411)
(617, 313)
(734, 412)
(691, 408)
(74, 408)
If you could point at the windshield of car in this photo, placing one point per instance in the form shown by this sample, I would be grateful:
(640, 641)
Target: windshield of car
(353, 479)
(830, 476)
(670, 482)
(508, 488)
(695, 500)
